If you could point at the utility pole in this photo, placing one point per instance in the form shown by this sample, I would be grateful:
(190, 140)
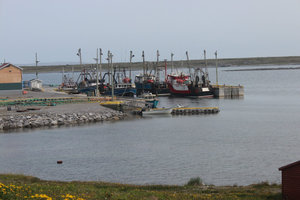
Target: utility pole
(157, 72)
(130, 62)
(172, 68)
(36, 64)
(216, 54)
(97, 75)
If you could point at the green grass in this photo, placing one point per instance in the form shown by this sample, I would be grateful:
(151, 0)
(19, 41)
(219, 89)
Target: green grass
(17, 187)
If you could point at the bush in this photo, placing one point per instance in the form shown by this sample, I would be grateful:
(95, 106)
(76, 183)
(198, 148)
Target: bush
(195, 181)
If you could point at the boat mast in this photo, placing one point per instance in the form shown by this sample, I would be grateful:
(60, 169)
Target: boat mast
(156, 70)
(97, 75)
(36, 64)
(165, 70)
(216, 54)
(108, 66)
(188, 62)
(80, 60)
(172, 68)
(143, 56)
(101, 54)
(130, 62)
(206, 70)
(113, 84)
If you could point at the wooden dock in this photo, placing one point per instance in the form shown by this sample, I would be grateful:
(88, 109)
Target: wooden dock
(187, 111)
(195, 110)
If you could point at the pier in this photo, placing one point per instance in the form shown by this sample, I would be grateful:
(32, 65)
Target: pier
(228, 91)
(185, 110)
(195, 110)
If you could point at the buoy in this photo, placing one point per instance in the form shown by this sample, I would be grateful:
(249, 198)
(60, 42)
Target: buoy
(59, 162)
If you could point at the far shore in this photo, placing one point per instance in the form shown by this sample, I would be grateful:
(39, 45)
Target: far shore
(222, 62)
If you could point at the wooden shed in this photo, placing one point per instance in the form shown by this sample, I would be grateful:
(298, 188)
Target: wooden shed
(10, 77)
(291, 181)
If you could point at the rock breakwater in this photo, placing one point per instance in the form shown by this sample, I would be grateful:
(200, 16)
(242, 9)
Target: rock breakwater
(36, 120)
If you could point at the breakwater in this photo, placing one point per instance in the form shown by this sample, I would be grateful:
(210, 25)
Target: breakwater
(223, 62)
(36, 120)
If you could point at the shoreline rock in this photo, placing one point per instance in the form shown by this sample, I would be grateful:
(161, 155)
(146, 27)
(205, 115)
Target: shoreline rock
(36, 120)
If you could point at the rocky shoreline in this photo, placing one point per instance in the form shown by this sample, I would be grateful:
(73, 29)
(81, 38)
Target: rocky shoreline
(49, 119)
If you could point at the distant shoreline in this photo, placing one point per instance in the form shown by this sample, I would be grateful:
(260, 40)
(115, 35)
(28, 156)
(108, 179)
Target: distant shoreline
(225, 62)
(264, 69)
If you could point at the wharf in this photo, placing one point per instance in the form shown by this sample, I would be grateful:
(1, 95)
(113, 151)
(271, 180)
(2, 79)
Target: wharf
(195, 110)
(52, 101)
(188, 111)
(228, 91)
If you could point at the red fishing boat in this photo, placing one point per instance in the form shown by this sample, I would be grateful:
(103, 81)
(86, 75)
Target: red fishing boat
(184, 85)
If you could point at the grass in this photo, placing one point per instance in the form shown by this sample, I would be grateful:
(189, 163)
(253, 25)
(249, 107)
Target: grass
(17, 187)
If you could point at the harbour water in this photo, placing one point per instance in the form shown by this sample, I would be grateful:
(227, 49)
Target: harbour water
(245, 143)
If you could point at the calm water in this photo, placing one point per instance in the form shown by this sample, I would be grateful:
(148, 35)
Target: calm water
(245, 143)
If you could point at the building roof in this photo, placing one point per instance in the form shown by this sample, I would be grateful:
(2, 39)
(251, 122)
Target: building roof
(289, 165)
(7, 65)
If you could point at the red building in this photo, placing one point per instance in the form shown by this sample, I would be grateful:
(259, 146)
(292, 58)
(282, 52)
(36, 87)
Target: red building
(291, 181)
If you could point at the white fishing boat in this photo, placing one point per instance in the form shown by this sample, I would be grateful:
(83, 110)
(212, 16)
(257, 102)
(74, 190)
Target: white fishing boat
(157, 111)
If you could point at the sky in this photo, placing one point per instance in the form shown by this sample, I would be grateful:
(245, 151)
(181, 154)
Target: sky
(56, 29)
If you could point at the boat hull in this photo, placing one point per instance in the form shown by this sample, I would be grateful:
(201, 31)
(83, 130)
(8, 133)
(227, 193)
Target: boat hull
(158, 111)
(121, 92)
(191, 91)
(151, 87)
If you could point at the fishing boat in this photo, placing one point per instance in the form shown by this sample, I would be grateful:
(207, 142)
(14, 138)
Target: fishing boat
(150, 99)
(157, 111)
(149, 83)
(115, 105)
(123, 88)
(183, 85)
(191, 84)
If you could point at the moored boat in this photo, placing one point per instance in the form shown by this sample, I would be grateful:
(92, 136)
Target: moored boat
(183, 85)
(157, 111)
(151, 100)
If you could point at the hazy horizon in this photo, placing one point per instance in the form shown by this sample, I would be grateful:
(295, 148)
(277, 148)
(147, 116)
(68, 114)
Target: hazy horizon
(56, 29)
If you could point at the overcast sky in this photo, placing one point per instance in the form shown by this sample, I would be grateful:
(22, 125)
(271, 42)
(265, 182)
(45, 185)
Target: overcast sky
(236, 28)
